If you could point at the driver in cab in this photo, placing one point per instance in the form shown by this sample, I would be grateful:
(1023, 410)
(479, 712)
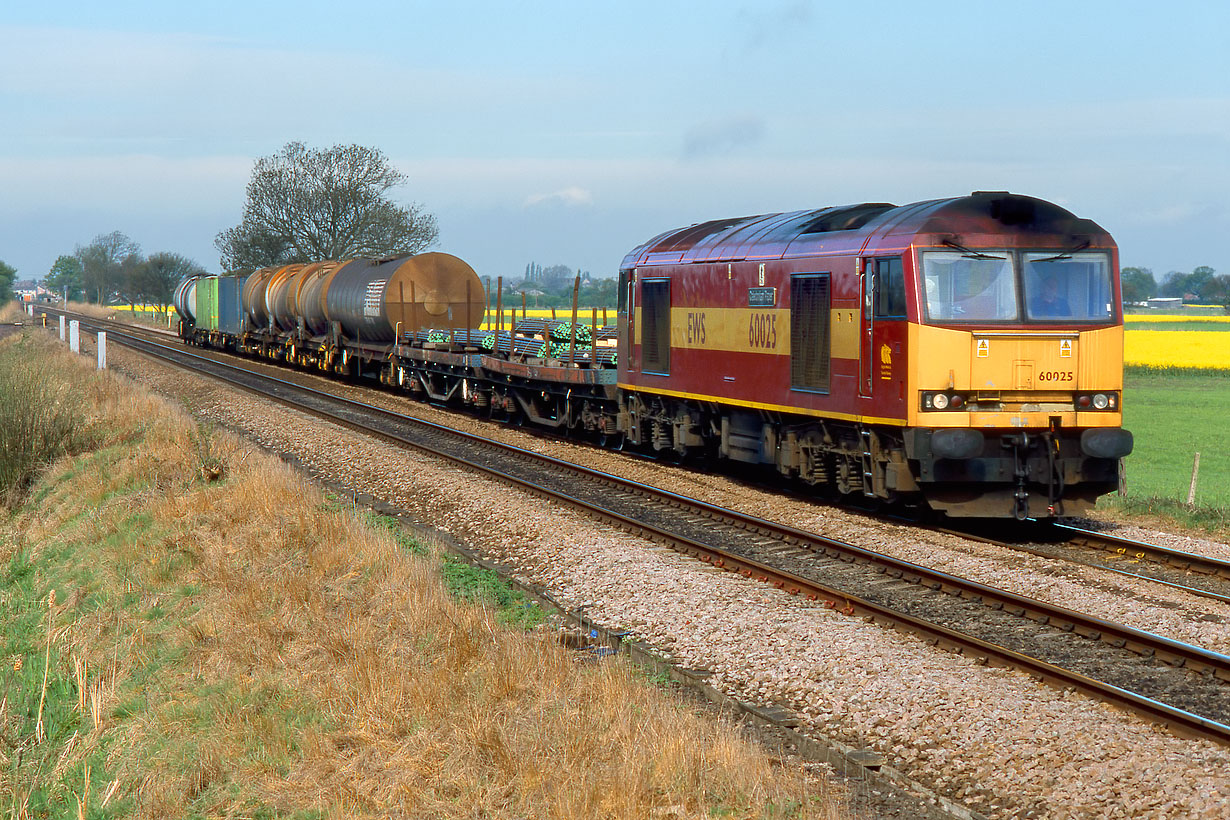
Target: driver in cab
(1049, 303)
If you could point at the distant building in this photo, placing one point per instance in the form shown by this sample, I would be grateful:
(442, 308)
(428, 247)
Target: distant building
(29, 290)
(1165, 302)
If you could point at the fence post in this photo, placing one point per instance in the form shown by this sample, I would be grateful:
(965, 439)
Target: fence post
(74, 336)
(1122, 478)
(62, 327)
(102, 350)
(1191, 493)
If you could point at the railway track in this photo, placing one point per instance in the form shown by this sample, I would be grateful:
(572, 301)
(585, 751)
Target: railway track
(1184, 687)
(1200, 575)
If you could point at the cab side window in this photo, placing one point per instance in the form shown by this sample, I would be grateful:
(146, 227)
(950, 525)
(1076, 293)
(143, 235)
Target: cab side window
(890, 289)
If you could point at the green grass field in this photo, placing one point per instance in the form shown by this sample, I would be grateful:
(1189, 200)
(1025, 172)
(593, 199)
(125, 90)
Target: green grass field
(1173, 415)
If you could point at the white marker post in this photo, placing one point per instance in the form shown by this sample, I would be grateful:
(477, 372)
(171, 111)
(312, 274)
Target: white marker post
(74, 336)
(102, 350)
(61, 328)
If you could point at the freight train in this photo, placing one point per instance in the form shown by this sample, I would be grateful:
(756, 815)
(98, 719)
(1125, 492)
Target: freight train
(965, 354)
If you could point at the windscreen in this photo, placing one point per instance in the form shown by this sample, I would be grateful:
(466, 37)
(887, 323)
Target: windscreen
(969, 287)
(1072, 287)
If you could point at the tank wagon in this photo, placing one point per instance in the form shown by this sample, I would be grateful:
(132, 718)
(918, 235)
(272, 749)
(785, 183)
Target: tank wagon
(965, 353)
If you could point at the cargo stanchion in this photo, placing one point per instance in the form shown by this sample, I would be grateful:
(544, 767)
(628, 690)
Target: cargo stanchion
(61, 327)
(74, 336)
(102, 350)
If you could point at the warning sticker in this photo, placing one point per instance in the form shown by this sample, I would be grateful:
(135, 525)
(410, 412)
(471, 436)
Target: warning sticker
(984, 348)
(373, 297)
(1065, 348)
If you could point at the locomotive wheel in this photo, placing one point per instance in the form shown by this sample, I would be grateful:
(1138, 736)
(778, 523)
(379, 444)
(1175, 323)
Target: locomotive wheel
(670, 455)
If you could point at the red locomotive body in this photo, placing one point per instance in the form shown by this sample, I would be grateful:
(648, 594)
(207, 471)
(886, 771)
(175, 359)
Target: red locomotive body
(816, 341)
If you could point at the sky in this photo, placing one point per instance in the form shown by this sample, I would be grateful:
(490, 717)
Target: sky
(569, 133)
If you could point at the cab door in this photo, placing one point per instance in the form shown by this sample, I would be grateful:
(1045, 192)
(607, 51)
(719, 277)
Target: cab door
(626, 315)
(866, 364)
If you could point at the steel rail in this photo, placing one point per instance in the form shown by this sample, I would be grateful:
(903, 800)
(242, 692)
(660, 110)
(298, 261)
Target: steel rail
(1144, 643)
(1042, 553)
(1140, 551)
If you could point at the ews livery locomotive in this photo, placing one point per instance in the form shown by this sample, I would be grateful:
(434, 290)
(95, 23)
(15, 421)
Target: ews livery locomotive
(964, 353)
(966, 350)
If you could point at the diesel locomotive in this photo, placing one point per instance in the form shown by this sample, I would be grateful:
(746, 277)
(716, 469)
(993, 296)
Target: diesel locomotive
(962, 353)
(968, 350)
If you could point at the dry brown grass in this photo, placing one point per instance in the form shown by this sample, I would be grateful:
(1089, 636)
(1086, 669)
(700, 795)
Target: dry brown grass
(12, 312)
(245, 645)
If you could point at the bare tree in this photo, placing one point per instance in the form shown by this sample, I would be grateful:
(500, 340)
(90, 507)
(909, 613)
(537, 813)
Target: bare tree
(305, 204)
(160, 274)
(101, 261)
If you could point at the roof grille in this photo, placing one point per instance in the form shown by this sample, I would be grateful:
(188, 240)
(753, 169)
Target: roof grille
(846, 219)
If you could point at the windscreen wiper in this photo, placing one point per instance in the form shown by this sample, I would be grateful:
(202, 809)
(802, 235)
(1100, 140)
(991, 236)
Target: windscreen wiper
(1065, 255)
(971, 254)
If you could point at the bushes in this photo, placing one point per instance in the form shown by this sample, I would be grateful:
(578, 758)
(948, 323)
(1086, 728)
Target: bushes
(41, 419)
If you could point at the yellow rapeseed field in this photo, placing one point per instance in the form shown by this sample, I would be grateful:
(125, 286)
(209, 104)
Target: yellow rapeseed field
(1188, 348)
(1133, 318)
(585, 315)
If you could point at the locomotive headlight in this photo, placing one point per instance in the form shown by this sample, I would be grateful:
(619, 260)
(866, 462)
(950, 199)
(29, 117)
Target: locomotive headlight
(1100, 402)
(940, 401)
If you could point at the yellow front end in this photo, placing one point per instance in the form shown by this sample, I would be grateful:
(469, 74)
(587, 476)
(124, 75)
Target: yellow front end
(1022, 422)
(1015, 379)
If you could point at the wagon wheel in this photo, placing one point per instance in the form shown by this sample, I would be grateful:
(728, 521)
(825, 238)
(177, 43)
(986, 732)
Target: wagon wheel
(611, 441)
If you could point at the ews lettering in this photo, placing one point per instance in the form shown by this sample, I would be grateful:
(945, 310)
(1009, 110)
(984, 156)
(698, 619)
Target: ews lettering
(696, 328)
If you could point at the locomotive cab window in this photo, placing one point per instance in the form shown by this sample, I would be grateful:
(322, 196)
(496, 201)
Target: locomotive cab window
(656, 326)
(1068, 287)
(810, 302)
(623, 291)
(970, 287)
(889, 289)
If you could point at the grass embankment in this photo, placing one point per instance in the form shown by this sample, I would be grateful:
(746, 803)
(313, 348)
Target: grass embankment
(191, 629)
(1174, 413)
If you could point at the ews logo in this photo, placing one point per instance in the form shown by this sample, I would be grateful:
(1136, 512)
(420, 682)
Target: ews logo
(696, 328)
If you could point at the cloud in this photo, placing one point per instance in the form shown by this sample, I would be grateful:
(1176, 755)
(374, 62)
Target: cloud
(722, 136)
(571, 197)
(765, 25)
